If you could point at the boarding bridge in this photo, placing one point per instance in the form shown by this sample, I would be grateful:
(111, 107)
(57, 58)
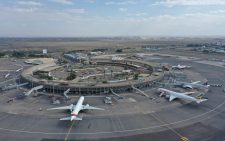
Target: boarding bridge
(34, 89)
(66, 92)
(14, 86)
(141, 92)
(120, 97)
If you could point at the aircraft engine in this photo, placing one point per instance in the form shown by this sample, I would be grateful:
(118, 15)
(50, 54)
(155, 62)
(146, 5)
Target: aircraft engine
(71, 107)
(167, 96)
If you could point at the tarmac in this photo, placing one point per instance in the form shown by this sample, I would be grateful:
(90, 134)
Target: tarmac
(143, 120)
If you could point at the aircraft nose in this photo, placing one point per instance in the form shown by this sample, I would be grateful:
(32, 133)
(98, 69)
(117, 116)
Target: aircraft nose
(72, 118)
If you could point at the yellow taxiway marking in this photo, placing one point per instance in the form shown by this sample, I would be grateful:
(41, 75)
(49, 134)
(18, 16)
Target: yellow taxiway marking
(185, 139)
(71, 126)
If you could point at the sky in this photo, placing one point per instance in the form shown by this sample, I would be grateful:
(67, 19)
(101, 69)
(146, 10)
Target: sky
(97, 18)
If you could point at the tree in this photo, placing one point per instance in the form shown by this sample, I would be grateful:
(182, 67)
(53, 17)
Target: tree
(71, 76)
(111, 73)
(136, 76)
(2, 54)
(18, 54)
(104, 72)
(119, 50)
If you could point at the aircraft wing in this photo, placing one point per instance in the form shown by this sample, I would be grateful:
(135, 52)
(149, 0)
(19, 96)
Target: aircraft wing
(69, 118)
(196, 82)
(188, 93)
(188, 86)
(62, 108)
(88, 107)
(172, 97)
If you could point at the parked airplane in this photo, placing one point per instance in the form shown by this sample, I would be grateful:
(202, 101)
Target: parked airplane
(181, 67)
(75, 109)
(28, 62)
(191, 85)
(173, 95)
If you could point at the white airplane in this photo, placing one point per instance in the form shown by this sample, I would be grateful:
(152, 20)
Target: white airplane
(7, 75)
(75, 109)
(181, 67)
(28, 62)
(19, 69)
(173, 95)
(192, 85)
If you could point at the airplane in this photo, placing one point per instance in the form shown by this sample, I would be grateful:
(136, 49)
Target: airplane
(181, 67)
(75, 109)
(192, 85)
(173, 95)
(28, 62)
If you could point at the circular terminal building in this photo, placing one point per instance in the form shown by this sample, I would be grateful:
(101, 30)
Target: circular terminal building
(101, 76)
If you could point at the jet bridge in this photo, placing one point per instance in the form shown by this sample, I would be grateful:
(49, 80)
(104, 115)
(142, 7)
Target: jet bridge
(34, 89)
(16, 86)
(66, 92)
(141, 92)
(118, 96)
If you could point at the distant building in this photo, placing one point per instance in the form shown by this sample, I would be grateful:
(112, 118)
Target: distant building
(219, 43)
(219, 51)
(76, 57)
(116, 58)
(45, 51)
(96, 53)
(150, 48)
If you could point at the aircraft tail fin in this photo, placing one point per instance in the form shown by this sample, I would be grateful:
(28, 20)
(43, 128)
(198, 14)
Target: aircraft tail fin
(196, 82)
